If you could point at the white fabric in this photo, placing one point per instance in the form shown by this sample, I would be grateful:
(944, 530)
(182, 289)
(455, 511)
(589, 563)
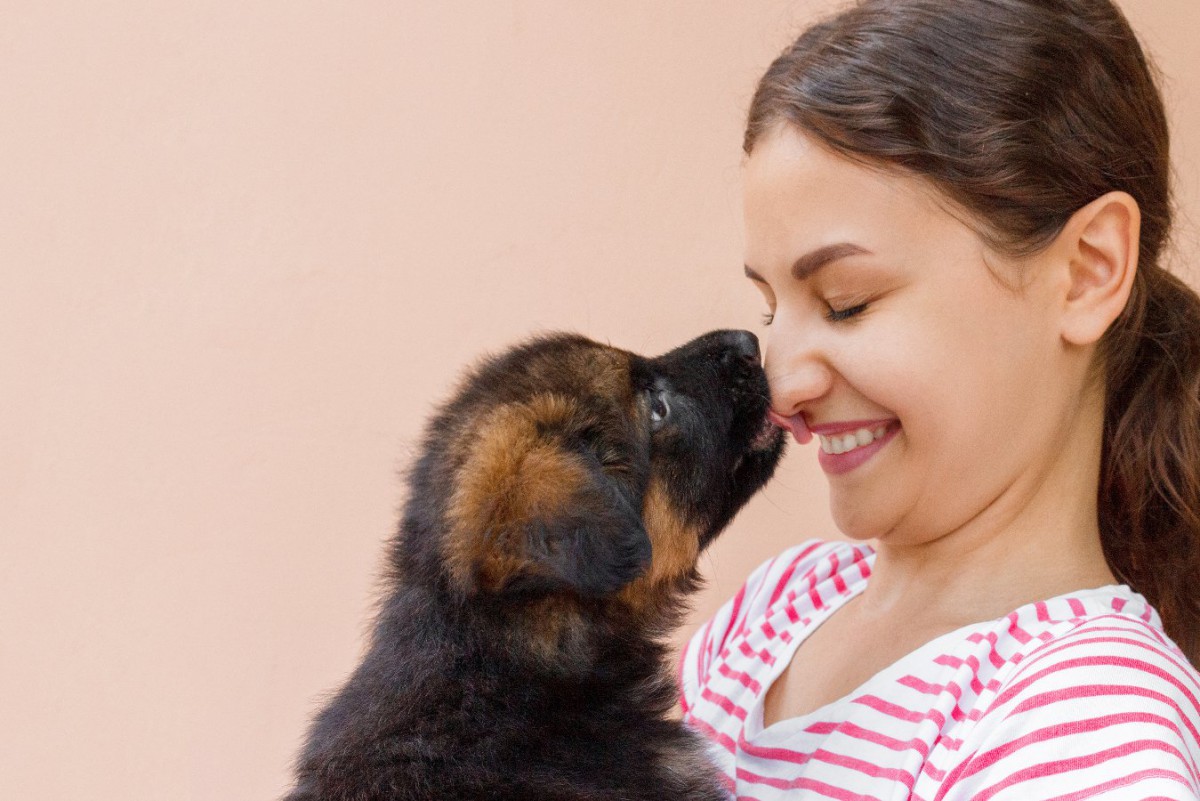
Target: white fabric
(1079, 696)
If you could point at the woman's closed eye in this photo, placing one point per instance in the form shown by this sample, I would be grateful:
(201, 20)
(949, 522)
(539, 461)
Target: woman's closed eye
(838, 315)
(833, 315)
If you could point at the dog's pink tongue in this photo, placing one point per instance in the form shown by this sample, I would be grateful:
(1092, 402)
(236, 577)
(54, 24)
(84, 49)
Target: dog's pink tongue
(795, 424)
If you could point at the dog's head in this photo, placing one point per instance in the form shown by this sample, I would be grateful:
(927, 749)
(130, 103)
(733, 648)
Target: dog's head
(567, 467)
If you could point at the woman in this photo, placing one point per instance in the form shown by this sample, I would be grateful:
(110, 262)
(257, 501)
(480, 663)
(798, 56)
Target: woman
(955, 212)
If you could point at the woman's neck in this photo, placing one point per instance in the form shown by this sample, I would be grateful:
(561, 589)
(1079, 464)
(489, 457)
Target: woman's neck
(963, 581)
(1038, 539)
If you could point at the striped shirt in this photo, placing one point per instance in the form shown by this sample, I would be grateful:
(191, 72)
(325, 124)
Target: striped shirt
(1079, 696)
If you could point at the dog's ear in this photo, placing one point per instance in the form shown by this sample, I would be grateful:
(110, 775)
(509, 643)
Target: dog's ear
(531, 514)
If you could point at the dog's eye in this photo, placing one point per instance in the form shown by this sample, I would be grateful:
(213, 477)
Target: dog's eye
(659, 410)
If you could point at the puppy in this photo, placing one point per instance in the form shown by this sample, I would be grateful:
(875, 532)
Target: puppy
(551, 533)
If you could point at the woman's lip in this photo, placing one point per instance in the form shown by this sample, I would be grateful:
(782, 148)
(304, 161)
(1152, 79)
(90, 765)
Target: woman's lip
(837, 463)
(795, 424)
(849, 426)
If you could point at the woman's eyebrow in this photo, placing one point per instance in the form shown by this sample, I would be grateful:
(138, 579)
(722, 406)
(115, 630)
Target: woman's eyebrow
(814, 260)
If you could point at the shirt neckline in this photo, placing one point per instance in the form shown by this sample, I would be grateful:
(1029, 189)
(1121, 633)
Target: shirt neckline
(754, 729)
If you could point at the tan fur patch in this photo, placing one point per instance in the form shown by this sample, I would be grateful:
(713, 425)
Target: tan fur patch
(610, 373)
(676, 548)
(554, 632)
(510, 477)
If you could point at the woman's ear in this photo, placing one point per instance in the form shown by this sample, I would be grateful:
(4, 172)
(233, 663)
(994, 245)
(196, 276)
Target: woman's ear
(1099, 247)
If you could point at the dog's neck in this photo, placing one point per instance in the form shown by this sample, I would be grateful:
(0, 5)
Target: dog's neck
(564, 637)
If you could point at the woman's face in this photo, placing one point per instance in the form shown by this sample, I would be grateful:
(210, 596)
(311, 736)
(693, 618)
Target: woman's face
(888, 333)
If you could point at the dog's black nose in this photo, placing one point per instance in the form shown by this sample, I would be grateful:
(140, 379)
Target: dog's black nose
(742, 345)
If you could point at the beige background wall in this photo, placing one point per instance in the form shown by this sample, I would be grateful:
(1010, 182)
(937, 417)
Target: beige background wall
(244, 247)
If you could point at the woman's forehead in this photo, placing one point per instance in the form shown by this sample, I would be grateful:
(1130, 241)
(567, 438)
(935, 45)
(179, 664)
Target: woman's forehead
(800, 197)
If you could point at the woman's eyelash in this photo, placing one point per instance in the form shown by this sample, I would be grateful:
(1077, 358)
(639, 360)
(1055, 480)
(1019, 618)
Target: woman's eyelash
(833, 315)
(838, 315)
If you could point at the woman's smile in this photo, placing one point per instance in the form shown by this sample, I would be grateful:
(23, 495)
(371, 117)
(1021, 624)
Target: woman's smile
(849, 445)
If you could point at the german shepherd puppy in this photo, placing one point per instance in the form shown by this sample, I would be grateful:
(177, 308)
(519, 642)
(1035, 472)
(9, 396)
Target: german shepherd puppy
(551, 533)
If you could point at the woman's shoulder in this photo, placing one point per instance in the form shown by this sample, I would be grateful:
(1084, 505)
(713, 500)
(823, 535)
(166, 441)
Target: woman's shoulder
(1096, 664)
(1099, 644)
(1113, 623)
(1094, 683)
(1076, 649)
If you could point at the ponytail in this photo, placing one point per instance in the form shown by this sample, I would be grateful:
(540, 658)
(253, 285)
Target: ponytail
(1149, 497)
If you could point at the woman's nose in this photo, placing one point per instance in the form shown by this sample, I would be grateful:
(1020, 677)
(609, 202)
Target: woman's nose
(796, 375)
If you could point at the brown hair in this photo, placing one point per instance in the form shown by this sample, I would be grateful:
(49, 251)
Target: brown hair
(1021, 112)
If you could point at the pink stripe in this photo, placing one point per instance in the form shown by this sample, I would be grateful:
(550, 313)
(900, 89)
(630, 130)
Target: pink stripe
(990, 637)
(1085, 636)
(735, 626)
(791, 568)
(729, 706)
(773, 754)
(740, 677)
(1161, 637)
(1102, 661)
(879, 738)
(1070, 640)
(1123, 624)
(948, 660)
(1016, 631)
(720, 738)
(889, 709)
(824, 789)
(1061, 766)
(1123, 781)
(813, 595)
(948, 743)
(864, 767)
(761, 656)
(1104, 691)
(1043, 613)
(922, 686)
(839, 583)
(860, 559)
(989, 758)
(994, 655)
(1076, 607)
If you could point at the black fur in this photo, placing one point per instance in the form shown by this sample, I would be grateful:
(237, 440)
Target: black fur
(462, 695)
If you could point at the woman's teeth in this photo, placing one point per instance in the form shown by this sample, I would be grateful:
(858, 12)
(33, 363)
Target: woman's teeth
(848, 442)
